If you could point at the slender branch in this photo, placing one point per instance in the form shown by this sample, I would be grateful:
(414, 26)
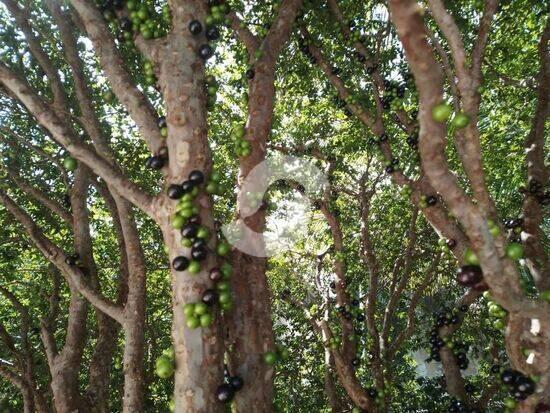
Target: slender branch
(57, 257)
(251, 42)
(140, 109)
(63, 134)
(22, 18)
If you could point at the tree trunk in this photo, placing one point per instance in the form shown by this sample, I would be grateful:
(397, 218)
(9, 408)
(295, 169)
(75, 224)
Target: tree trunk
(198, 352)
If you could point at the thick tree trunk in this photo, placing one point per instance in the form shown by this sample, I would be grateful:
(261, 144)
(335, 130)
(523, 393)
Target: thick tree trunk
(249, 325)
(198, 352)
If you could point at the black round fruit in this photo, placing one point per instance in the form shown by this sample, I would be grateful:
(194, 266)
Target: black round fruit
(250, 73)
(212, 33)
(225, 393)
(187, 186)
(431, 200)
(469, 275)
(195, 219)
(161, 122)
(509, 376)
(463, 308)
(215, 274)
(210, 297)
(524, 385)
(383, 137)
(125, 24)
(195, 27)
(355, 362)
(180, 263)
(199, 253)
(372, 392)
(205, 51)
(189, 231)
(175, 191)
(196, 176)
(236, 383)
(451, 243)
(155, 162)
(360, 318)
(118, 4)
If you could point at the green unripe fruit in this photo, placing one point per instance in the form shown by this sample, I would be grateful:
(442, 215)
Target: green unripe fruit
(70, 164)
(201, 308)
(164, 367)
(203, 233)
(441, 112)
(223, 249)
(285, 354)
(470, 257)
(186, 242)
(461, 120)
(172, 405)
(514, 251)
(498, 324)
(206, 320)
(178, 222)
(224, 297)
(215, 176)
(169, 352)
(270, 358)
(494, 231)
(194, 267)
(189, 309)
(163, 131)
(193, 322)
(226, 269)
(227, 306)
(545, 295)
(223, 286)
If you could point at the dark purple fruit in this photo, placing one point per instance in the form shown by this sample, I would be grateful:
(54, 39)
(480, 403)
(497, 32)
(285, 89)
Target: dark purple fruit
(196, 176)
(431, 200)
(195, 27)
(212, 33)
(215, 274)
(469, 275)
(524, 385)
(236, 383)
(187, 186)
(161, 122)
(225, 393)
(509, 376)
(205, 51)
(195, 219)
(180, 263)
(451, 243)
(189, 231)
(155, 162)
(199, 253)
(125, 24)
(250, 73)
(175, 191)
(210, 297)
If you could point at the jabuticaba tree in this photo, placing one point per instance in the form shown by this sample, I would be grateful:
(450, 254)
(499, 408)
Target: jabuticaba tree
(128, 128)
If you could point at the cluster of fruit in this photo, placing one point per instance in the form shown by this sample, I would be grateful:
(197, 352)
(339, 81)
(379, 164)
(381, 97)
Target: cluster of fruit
(199, 314)
(442, 113)
(242, 146)
(496, 312)
(216, 16)
(519, 385)
(136, 17)
(226, 391)
(394, 93)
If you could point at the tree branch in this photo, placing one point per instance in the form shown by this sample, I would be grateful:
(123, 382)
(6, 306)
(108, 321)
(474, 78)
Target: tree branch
(140, 109)
(66, 137)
